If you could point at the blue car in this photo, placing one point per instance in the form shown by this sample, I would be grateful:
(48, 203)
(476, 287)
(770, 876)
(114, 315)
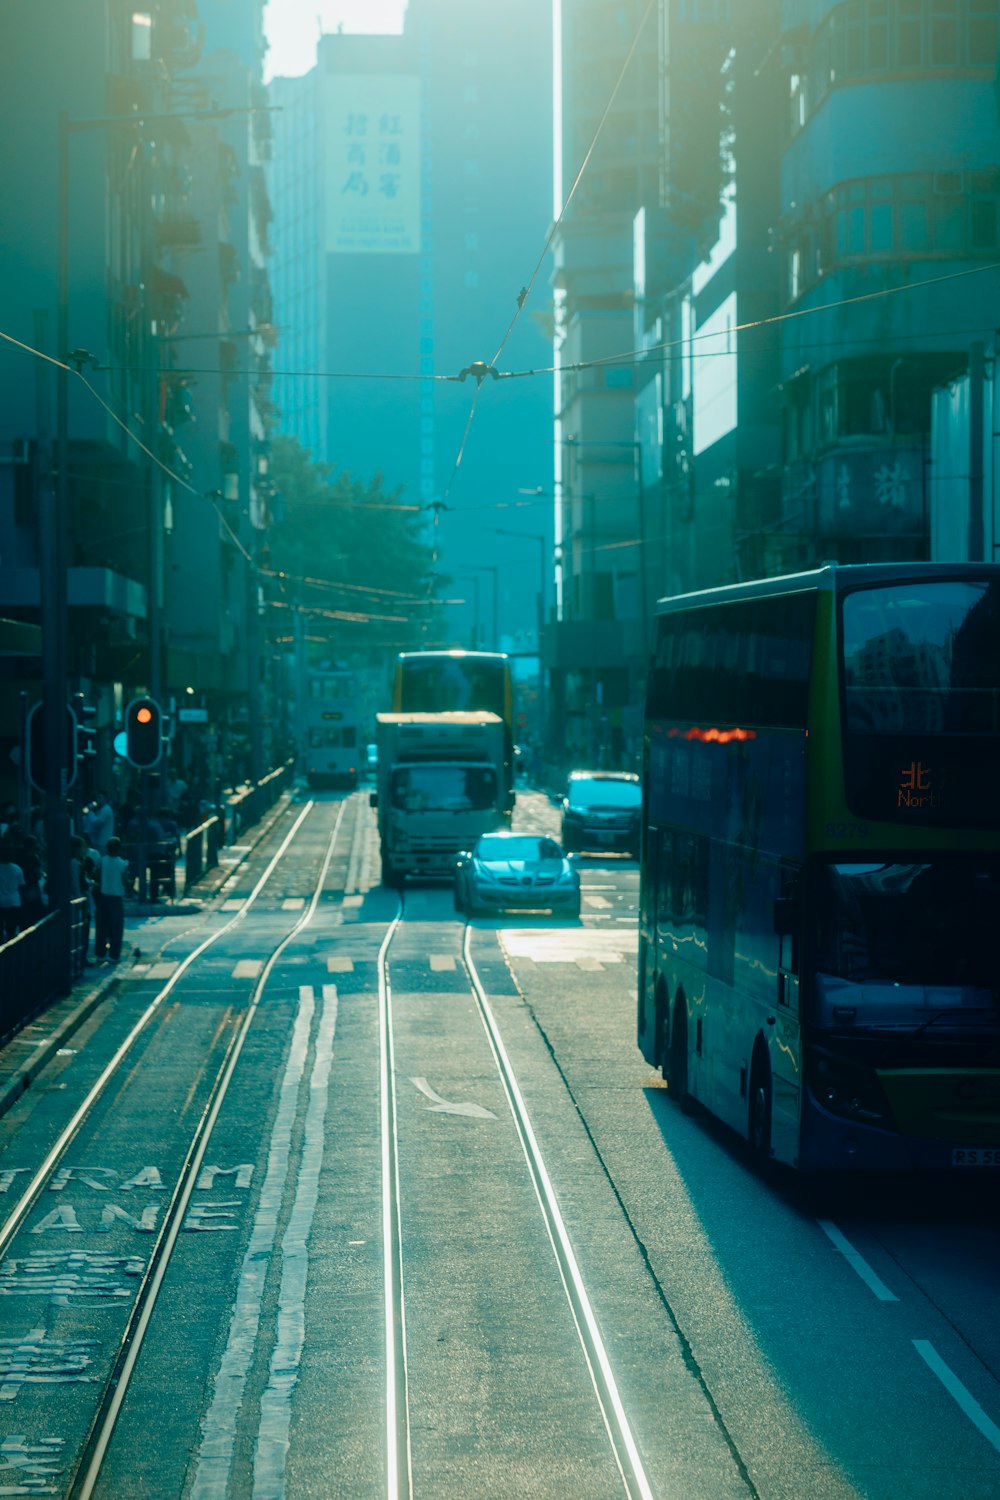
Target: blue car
(508, 871)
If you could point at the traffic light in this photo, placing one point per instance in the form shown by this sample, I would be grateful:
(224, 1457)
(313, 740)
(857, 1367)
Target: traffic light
(37, 748)
(86, 748)
(143, 733)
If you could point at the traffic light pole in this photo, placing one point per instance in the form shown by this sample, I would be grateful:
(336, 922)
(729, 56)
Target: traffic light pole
(52, 509)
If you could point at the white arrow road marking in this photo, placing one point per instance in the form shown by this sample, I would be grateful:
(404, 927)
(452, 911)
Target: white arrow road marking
(441, 1106)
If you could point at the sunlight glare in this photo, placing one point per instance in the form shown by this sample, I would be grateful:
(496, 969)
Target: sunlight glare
(293, 28)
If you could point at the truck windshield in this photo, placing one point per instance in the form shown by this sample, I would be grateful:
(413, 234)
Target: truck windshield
(444, 788)
(930, 924)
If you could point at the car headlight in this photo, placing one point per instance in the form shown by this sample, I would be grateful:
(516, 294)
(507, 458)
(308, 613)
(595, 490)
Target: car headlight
(568, 877)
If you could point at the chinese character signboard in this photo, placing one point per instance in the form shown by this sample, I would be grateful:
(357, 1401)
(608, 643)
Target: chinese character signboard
(373, 164)
(870, 491)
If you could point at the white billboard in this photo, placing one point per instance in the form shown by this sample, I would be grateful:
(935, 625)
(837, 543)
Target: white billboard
(373, 164)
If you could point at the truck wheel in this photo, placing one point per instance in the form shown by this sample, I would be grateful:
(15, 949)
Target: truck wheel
(392, 877)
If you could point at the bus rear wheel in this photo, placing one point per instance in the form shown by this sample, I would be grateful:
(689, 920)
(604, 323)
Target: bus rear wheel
(678, 1057)
(759, 1125)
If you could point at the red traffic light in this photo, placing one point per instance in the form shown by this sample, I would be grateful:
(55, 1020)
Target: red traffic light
(144, 733)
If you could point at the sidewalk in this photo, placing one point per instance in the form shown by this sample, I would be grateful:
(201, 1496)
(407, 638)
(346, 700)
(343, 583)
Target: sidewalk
(27, 1052)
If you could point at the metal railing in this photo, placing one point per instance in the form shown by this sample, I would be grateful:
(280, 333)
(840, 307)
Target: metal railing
(248, 807)
(46, 960)
(33, 964)
(201, 850)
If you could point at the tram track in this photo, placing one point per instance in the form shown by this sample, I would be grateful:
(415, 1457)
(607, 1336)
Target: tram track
(401, 1484)
(84, 1465)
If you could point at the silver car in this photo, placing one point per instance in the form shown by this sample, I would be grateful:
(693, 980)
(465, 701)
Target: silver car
(508, 871)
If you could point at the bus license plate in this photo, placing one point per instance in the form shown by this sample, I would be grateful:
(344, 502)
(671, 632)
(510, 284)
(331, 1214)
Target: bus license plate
(975, 1156)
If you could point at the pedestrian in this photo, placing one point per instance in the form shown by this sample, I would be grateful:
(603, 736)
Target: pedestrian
(11, 881)
(99, 824)
(80, 880)
(115, 880)
(33, 901)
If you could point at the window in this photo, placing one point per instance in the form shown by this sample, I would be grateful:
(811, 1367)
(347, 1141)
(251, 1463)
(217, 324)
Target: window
(142, 37)
(742, 663)
(984, 224)
(924, 658)
(864, 37)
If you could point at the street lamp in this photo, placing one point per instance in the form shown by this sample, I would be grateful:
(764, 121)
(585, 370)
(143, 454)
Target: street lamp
(543, 545)
(495, 570)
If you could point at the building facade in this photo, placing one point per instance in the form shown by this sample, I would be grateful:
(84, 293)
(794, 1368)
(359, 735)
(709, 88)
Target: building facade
(146, 163)
(412, 191)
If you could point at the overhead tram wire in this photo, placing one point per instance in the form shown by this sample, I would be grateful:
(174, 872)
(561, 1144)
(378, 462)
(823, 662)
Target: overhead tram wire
(638, 357)
(479, 370)
(525, 291)
(628, 356)
(212, 496)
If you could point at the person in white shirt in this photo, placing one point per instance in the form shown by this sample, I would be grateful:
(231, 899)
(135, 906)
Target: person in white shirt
(99, 824)
(114, 881)
(11, 881)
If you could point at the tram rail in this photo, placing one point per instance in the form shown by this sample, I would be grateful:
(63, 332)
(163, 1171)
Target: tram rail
(588, 1368)
(399, 1465)
(85, 1465)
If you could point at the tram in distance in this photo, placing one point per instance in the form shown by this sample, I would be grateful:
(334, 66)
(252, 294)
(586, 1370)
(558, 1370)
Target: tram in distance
(820, 875)
(438, 682)
(330, 731)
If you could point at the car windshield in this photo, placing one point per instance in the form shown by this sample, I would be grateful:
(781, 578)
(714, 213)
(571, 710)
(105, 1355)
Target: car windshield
(491, 850)
(604, 793)
(444, 788)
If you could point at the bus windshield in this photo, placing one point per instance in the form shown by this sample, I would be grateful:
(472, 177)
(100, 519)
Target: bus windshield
(923, 657)
(444, 788)
(927, 924)
(453, 684)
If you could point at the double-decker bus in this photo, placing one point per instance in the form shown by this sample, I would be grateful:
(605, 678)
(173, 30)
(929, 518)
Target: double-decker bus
(820, 891)
(439, 682)
(329, 739)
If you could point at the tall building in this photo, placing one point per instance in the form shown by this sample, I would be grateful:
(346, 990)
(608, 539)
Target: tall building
(598, 646)
(147, 135)
(857, 216)
(412, 192)
(890, 183)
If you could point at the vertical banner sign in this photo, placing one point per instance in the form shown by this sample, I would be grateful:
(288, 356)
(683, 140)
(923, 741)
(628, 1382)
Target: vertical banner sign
(373, 164)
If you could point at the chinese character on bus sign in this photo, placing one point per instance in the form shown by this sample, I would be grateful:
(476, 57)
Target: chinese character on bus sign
(915, 788)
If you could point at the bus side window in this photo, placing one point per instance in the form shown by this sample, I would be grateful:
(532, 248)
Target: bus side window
(664, 878)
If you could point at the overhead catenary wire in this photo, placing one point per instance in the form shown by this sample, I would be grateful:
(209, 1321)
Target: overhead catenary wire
(641, 356)
(525, 291)
(633, 357)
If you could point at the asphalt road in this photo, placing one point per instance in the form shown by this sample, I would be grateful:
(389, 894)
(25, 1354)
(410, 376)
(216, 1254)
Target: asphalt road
(759, 1339)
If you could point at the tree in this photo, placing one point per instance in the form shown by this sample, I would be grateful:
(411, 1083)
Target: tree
(350, 556)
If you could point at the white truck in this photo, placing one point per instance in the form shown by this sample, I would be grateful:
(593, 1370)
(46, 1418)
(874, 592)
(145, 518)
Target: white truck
(440, 784)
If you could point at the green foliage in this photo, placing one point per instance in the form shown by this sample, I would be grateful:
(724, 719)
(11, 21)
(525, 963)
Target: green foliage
(351, 557)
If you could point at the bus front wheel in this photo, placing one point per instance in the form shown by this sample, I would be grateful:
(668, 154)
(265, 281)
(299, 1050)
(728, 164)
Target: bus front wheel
(759, 1131)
